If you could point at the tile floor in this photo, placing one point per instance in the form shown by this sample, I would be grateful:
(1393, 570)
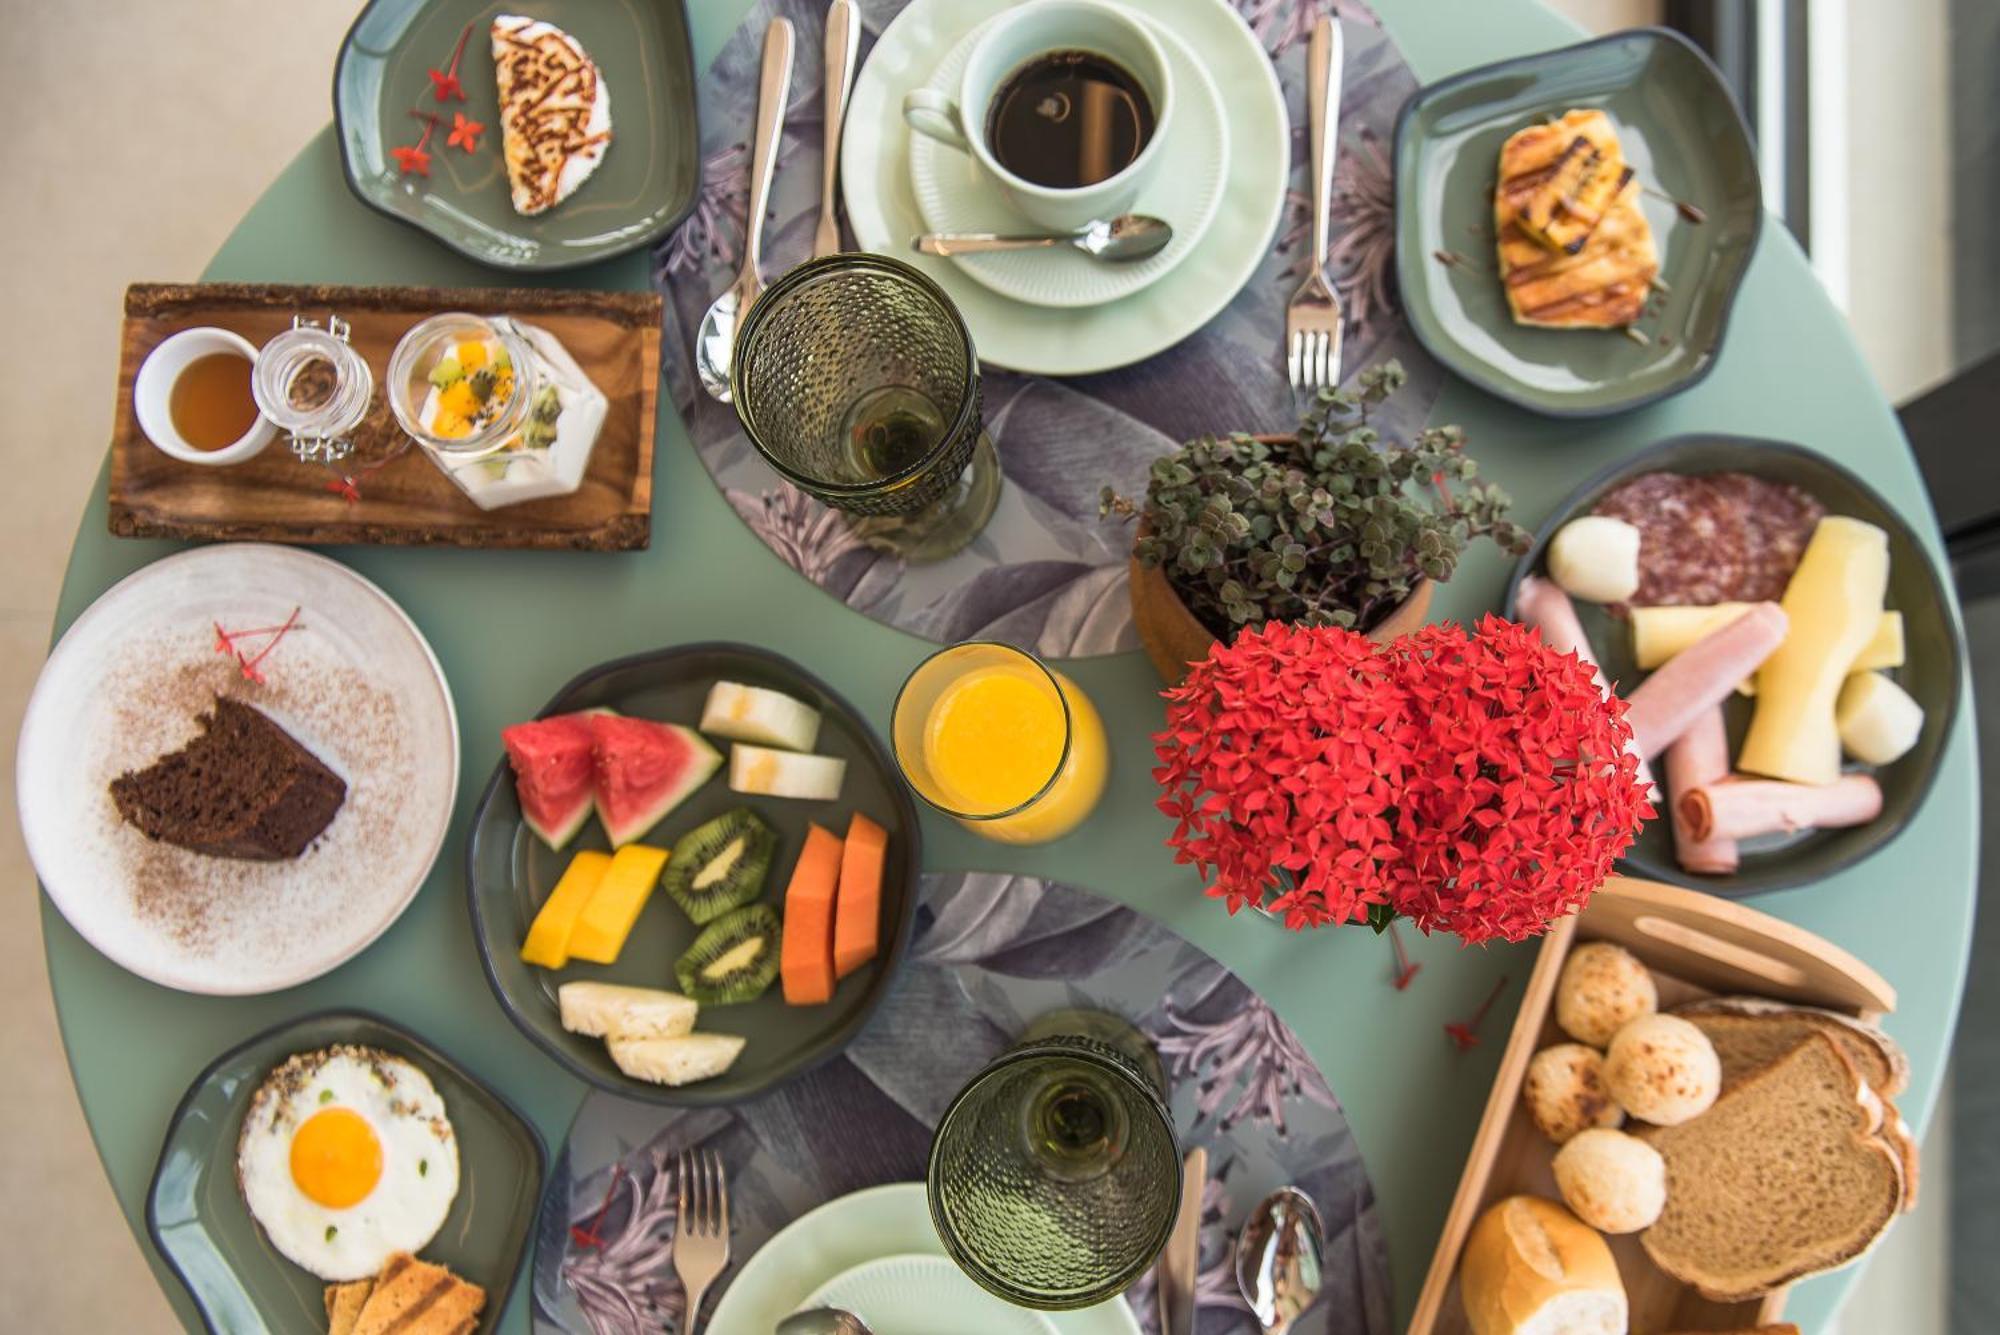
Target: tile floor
(167, 85)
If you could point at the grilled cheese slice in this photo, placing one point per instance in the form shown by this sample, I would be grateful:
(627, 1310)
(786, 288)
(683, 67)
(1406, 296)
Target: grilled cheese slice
(1552, 178)
(413, 1297)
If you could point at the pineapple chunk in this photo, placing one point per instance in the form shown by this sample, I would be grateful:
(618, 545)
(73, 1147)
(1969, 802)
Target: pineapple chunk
(596, 1010)
(1879, 721)
(676, 1061)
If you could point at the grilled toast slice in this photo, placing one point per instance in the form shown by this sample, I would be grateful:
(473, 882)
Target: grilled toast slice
(413, 1297)
(344, 1303)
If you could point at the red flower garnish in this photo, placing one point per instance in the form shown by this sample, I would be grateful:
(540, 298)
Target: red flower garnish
(226, 643)
(1476, 783)
(444, 83)
(464, 133)
(1464, 1034)
(413, 157)
(587, 1235)
(1406, 969)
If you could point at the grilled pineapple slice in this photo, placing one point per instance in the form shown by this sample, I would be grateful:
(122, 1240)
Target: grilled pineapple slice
(676, 1061)
(1568, 260)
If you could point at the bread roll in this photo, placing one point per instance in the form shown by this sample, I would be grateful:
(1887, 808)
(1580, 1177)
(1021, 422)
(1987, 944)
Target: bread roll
(1603, 988)
(1530, 1268)
(1614, 1182)
(1565, 1091)
(1662, 1070)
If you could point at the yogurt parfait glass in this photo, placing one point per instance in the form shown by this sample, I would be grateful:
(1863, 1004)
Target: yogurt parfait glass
(465, 387)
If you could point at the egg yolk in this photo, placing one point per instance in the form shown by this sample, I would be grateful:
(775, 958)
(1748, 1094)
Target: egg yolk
(336, 1159)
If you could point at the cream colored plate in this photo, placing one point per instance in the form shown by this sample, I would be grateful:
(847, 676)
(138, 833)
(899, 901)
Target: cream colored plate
(956, 195)
(924, 1295)
(355, 683)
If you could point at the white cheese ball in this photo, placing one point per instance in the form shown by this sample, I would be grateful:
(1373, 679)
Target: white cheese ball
(1662, 1070)
(1614, 1182)
(1596, 558)
(1566, 1094)
(1602, 989)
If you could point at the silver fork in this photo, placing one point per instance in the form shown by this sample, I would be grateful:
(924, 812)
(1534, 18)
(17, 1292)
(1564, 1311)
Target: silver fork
(1312, 321)
(701, 1229)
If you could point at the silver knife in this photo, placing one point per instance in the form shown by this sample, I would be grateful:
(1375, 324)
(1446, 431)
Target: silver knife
(843, 44)
(1181, 1261)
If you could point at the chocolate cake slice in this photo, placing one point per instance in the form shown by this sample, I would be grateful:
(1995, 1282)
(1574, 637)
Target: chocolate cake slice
(244, 788)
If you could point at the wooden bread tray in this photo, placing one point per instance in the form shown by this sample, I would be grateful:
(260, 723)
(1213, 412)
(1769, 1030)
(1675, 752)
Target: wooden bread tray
(1696, 945)
(614, 336)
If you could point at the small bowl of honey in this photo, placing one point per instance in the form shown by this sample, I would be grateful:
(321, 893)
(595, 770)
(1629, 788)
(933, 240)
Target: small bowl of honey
(193, 398)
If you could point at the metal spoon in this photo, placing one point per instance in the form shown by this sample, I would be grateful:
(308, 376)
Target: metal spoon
(823, 1321)
(715, 342)
(1278, 1258)
(1128, 237)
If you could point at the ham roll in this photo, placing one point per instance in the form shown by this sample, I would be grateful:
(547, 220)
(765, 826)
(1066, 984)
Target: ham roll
(1548, 609)
(1699, 757)
(1701, 677)
(1744, 808)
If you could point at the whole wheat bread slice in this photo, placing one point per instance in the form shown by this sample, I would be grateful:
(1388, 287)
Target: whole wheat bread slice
(1786, 1176)
(1751, 1032)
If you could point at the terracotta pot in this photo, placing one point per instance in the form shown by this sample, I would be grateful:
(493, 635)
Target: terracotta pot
(1173, 637)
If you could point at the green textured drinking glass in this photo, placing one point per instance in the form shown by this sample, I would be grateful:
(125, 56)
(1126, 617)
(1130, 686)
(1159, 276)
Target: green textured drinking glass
(1055, 1175)
(856, 379)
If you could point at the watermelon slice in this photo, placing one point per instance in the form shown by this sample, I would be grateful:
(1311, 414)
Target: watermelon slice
(644, 770)
(553, 774)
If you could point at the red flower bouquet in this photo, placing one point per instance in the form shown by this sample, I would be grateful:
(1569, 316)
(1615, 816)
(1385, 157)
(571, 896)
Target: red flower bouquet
(1475, 782)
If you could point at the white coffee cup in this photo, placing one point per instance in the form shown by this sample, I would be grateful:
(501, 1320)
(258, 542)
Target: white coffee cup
(152, 396)
(1018, 38)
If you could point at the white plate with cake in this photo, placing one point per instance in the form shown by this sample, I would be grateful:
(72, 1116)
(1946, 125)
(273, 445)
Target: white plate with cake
(237, 768)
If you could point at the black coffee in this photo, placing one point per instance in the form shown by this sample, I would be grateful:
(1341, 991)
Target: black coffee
(1069, 119)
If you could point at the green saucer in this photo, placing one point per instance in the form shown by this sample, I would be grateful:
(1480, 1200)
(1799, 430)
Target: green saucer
(1681, 131)
(645, 185)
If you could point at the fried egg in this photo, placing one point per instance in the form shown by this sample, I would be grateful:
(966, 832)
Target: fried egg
(346, 1156)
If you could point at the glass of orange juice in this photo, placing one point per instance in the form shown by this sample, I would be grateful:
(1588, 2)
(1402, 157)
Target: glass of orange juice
(995, 738)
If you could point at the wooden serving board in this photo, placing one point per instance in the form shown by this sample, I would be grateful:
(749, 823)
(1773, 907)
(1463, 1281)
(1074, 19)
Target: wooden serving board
(1695, 945)
(614, 336)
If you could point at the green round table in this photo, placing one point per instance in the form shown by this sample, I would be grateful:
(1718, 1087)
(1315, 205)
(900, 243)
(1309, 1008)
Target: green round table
(510, 627)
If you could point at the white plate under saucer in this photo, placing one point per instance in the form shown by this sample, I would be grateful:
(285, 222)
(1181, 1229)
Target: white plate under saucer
(354, 683)
(1042, 340)
(955, 194)
(849, 1232)
(924, 1295)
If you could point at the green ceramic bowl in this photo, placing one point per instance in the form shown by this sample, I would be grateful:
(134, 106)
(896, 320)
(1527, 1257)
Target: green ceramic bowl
(509, 872)
(1681, 130)
(648, 179)
(1934, 672)
(238, 1281)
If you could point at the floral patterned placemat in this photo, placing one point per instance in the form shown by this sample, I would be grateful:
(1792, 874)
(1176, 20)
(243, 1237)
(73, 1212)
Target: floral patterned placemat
(989, 954)
(1048, 574)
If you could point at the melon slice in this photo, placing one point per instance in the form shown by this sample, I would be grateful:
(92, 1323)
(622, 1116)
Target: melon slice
(552, 774)
(644, 770)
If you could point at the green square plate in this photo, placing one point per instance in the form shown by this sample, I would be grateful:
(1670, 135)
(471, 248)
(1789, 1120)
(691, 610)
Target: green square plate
(510, 872)
(1933, 674)
(645, 185)
(1681, 130)
(238, 1281)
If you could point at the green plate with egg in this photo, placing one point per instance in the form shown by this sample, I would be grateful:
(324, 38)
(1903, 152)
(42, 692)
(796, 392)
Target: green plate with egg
(1933, 669)
(1681, 131)
(239, 1281)
(645, 184)
(510, 872)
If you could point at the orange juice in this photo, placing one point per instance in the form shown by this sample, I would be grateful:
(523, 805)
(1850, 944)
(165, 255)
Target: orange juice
(1013, 749)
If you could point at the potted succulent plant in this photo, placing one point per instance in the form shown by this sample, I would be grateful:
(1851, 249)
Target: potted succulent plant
(1474, 782)
(1333, 526)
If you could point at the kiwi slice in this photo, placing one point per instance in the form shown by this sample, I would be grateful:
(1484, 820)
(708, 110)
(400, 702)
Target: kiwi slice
(719, 866)
(446, 372)
(734, 959)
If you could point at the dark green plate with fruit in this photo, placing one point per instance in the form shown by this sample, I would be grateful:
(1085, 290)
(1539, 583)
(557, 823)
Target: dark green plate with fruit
(511, 871)
(1680, 130)
(649, 175)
